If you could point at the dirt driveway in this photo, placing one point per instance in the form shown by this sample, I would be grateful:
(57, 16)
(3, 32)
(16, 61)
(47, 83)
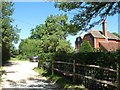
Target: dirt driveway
(20, 75)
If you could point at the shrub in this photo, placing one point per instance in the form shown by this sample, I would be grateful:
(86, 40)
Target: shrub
(86, 47)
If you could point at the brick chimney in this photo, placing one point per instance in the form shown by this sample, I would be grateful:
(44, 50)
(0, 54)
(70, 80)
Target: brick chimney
(104, 26)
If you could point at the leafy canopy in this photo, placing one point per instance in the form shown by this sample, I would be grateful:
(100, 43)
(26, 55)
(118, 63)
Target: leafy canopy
(85, 12)
(9, 33)
(47, 38)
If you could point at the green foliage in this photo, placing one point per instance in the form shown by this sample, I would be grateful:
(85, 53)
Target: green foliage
(98, 59)
(57, 79)
(56, 33)
(104, 59)
(116, 34)
(47, 39)
(57, 25)
(88, 11)
(38, 32)
(40, 71)
(13, 51)
(86, 47)
(29, 47)
(64, 46)
(9, 33)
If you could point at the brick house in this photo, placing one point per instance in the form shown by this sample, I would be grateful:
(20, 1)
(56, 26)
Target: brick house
(100, 40)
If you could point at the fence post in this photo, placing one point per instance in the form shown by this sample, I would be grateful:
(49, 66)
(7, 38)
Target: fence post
(52, 67)
(118, 76)
(73, 70)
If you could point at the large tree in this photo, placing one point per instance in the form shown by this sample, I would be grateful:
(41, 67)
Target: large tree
(85, 12)
(9, 33)
(53, 33)
(49, 37)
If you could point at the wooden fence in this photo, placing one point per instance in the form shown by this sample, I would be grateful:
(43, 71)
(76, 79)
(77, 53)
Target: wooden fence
(115, 83)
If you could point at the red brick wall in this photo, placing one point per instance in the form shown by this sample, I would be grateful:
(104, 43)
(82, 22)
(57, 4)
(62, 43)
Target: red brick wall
(102, 39)
(89, 38)
(99, 40)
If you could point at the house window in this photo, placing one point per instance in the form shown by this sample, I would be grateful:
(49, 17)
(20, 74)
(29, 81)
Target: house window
(78, 39)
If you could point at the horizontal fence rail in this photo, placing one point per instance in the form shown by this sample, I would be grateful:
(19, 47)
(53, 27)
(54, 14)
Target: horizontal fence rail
(74, 73)
(92, 66)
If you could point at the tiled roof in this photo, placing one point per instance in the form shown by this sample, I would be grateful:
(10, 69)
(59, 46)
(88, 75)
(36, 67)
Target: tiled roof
(110, 46)
(99, 34)
(96, 33)
(112, 36)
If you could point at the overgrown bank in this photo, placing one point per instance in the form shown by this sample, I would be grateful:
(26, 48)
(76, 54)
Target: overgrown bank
(96, 68)
(59, 80)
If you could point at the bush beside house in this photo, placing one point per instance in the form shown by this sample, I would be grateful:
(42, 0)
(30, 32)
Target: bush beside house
(86, 47)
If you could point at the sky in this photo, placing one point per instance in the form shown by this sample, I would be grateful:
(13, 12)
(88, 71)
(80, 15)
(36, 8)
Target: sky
(29, 14)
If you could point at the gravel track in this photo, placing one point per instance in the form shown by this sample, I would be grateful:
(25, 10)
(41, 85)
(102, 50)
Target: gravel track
(21, 76)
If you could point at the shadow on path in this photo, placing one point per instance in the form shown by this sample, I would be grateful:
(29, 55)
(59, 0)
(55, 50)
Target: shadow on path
(11, 63)
(32, 84)
(21, 76)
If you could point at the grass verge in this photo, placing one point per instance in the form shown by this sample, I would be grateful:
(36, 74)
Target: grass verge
(1, 68)
(62, 82)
